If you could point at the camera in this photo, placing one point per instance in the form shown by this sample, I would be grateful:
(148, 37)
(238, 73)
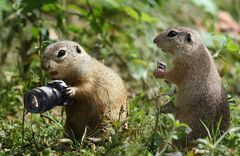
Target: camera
(42, 99)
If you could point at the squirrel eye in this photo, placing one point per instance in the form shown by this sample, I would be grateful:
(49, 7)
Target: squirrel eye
(172, 33)
(61, 53)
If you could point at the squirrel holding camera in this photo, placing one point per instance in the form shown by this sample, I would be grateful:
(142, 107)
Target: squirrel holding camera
(97, 91)
(200, 97)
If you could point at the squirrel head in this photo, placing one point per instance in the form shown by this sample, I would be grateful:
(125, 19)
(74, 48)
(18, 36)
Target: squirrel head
(63, 58)
(181, 42)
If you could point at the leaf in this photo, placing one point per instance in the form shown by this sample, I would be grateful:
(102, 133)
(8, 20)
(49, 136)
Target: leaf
(204, 141)
(232, 46)
(113, 3)
(30, 5)
(35, 32)
(3, 7)
(51, 7)
(2, 134)
(105, 3)
(78, 9)
(131, 12)
(208, 5)
(66, 140)
(74, 28)
(147, 18)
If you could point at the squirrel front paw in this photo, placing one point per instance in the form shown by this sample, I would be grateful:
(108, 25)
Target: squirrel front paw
(160, 71)
(69, 91)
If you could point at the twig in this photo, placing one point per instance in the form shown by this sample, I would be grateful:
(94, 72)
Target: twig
(23, 123)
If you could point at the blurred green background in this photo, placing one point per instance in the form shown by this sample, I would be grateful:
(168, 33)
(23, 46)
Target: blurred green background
(121, 33)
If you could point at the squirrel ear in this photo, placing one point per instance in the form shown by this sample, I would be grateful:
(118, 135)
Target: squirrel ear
(78, 49)
(189, 37)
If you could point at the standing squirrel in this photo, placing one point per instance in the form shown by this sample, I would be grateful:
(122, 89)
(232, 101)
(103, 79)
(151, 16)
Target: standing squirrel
(200, 97)
(97, 91)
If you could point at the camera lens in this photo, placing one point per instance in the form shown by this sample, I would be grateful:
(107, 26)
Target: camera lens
(34, 101)
(42, 99)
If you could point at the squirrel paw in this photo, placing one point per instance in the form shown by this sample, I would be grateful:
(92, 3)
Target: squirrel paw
(159, 73)
(69, 91)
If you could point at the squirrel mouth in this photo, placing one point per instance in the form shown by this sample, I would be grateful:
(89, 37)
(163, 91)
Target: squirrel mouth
(163, 50)
(53, 74)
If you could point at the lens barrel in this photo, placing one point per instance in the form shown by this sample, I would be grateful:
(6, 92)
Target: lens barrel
(42, 99)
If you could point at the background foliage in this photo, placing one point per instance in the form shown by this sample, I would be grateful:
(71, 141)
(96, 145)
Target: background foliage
(121, 33)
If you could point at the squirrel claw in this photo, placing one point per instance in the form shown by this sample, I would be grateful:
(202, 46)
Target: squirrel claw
(69, 91)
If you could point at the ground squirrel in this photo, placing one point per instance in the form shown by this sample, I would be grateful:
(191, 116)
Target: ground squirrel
(200, 96)
(98, 92)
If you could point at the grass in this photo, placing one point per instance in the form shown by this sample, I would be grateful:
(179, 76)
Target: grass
(125, 46)
(149, 130)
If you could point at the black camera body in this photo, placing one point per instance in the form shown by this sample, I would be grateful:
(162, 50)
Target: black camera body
(42, 99)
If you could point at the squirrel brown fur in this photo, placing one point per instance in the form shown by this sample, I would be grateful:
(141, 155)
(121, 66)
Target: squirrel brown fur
(200, 97)
(98, 92)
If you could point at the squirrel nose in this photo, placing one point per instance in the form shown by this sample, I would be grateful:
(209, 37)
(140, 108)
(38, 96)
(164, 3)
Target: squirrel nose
(155, 40)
